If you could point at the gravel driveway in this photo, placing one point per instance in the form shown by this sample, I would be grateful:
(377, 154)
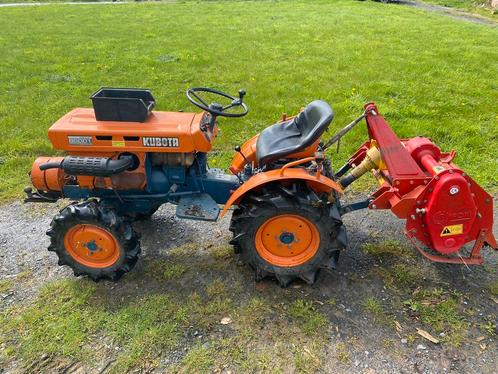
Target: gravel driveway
(25, 260)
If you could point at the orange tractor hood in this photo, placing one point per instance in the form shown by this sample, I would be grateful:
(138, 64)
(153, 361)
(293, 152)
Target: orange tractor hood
(79, 131)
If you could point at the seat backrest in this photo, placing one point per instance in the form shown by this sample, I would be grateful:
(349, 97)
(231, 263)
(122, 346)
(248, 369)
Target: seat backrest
(314, 120)
(285, 138)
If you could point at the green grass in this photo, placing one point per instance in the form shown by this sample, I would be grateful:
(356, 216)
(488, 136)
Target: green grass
(6, 285)
(493, 288)
(199, 359)
(150, 322)
(78, 320)
(139, 327)
(374, 307)
(388, 248)
(68, 314)
(312, 321)
(342, 353)
(62, 331)
(48, 1)
(401, 277)
(441, 311)
(345, 52)
(489, 327)
(165, 270)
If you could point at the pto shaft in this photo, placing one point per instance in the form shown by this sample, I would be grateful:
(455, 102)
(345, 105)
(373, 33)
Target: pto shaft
(371, 161)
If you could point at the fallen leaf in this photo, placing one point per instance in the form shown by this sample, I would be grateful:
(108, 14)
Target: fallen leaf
(309, 353)
(429, 302)
(427, 336)
(480, 339)
(398, 326)
(483, 346)
(319, 302)
(226, 320)
(494, 299)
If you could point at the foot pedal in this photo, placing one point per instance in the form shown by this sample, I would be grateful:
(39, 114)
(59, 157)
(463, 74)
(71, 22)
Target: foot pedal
(198, 206)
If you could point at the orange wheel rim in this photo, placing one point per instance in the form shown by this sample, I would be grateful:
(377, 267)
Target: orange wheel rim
(91, 246)
(287, 240)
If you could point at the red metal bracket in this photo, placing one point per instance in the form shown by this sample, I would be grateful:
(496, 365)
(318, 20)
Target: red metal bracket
(473, 259)
(448, 157)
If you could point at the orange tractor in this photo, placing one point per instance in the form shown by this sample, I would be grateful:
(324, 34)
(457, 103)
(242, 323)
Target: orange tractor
(124, 161)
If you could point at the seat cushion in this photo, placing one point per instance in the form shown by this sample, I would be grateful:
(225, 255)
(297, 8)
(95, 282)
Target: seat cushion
(285, 138)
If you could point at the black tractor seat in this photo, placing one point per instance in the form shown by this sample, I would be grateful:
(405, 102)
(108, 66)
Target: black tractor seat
(285, 138)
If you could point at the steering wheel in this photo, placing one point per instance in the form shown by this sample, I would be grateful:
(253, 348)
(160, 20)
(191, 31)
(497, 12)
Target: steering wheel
(193, 95)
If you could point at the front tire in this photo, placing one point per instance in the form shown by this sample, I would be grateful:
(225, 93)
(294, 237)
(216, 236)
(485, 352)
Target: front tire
(287, 234)
(93, 240)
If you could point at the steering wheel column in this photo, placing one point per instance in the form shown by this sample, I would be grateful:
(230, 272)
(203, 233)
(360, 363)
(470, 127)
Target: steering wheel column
(194, 95)
(214, 107)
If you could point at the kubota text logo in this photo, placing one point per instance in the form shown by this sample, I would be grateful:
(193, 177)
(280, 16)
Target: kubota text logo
(160, 142)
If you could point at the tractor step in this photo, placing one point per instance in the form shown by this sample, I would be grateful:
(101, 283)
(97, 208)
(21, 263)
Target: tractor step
(198, 206)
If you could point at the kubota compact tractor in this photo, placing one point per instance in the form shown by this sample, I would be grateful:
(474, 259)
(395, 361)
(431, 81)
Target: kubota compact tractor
(125, 160)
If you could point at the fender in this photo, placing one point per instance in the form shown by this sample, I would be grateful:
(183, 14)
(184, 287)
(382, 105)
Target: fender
(248, 149)
(317, 182)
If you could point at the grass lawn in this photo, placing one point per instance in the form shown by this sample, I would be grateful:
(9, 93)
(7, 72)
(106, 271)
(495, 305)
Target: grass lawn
(48, 1)
(429, 75)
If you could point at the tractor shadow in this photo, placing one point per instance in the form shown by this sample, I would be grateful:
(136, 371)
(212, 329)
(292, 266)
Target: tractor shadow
(201, 250)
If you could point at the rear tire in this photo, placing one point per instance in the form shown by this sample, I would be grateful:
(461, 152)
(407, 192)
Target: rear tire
(287, 233)
(93, 240)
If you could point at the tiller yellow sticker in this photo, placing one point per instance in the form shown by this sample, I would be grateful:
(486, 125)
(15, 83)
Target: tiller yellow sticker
(452, 230)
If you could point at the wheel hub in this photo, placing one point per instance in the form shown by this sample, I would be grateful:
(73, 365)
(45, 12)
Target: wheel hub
(287, 240)
(287, 237)
(91, 246)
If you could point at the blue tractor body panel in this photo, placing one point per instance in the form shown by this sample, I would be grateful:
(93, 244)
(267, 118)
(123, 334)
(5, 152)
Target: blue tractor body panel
(165, 184)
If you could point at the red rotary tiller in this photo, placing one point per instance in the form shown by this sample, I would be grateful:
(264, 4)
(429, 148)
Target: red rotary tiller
(443, 207)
